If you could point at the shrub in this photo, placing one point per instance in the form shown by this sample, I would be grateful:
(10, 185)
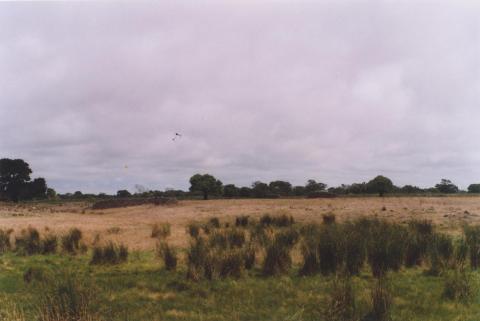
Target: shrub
(5, 244)
(168, 254)
(71, 241)
(459, 286)
(241, 221)
(49, 244)
(328, 218)
(109, 254)
(381, 301)
(193, 229)
(161, 230)
(342, 301)
(28, 243)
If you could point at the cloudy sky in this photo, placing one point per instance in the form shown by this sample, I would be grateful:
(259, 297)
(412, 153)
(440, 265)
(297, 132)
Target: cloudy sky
(91, 94)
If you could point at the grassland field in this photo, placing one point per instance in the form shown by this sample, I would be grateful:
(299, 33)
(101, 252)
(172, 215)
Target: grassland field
(142, 289)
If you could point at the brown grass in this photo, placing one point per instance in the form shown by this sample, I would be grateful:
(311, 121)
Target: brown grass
(135, 223)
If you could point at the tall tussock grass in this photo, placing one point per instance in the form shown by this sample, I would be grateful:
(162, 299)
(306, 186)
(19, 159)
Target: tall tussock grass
(341, 306)
(5, 244)
(381, 301)
(460, 285)
(168, 255)
(472, 237)
(278, 257)
(71, 241)
(109, 254)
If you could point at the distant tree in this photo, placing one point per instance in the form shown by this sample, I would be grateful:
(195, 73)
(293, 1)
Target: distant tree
(446, 186)
(474, 188)
(77, 194)
(102, 195)
(409, 189)
(280, 188)
(380, 185)
(206, 184)
(245, 192)
(230, 190)
(260, 189)
(14, 175)
(37, 188)
(51, 194)
(312, 186)
(123, 193)
(357, 188)
(299, 190)
(339, 190)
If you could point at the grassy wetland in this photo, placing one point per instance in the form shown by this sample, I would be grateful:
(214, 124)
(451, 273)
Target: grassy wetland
(342, 259)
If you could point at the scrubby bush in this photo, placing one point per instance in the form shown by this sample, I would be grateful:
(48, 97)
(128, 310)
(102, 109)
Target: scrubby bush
(168, 254)
(109, 254)
(161, 230)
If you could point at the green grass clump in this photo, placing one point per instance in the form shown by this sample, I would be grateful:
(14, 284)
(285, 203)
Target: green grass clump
(49, 244)
(5, 244)
(459, 285)
(472, 237)
(71, 241)
(109, 254)
(168, 254)
(28, 242)
(278, 259)
(341, 305)
(241, 221)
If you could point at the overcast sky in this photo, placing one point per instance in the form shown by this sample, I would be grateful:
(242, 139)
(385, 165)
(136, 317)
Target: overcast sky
(91, 94)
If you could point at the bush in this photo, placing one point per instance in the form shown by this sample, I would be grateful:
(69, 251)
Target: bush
(342, 301)
(109, 254)
(71, 241)
(459, 286)
(168, 254)
(161, 230)
(28, 243)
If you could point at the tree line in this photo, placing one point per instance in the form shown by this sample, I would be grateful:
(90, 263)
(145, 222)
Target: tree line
(16, 184)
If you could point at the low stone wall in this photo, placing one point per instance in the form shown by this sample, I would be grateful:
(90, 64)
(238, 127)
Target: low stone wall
(116, 203)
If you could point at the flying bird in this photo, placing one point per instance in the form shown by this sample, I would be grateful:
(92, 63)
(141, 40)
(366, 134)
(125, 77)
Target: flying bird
(177, 135)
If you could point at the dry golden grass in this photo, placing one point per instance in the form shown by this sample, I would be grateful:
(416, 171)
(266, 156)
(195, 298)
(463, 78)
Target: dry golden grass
(134, 223)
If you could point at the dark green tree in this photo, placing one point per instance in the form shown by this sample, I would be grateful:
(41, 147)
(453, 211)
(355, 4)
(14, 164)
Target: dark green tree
(280, 188)
(37, 188)
(245, 192)
(446, 186)
(313, 186)
(206, 184)
(474, 188)
(14, 175)
(299, 190)
(380, 185)
(123, 193)
(230, 190)
(260, 189)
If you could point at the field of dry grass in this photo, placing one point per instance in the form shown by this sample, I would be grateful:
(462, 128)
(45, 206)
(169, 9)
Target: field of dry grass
(132, 225)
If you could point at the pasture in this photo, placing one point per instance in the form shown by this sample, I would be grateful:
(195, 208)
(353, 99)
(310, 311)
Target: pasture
(440, 285)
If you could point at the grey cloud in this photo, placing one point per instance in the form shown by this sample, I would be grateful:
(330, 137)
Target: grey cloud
(338, 91)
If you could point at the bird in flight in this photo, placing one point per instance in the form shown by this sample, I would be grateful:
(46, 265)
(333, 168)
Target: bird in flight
(177, 135)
